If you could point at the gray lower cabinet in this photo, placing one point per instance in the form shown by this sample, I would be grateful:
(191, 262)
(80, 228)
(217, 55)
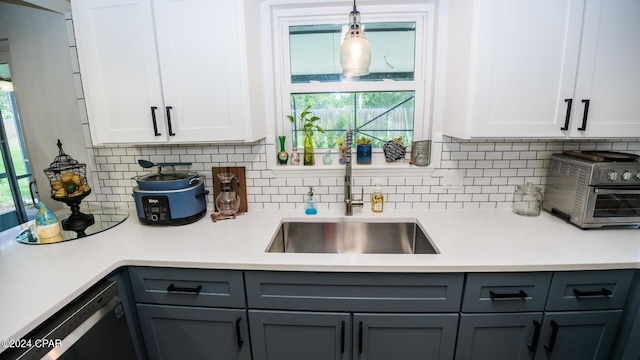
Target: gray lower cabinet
(180, 332)
(326, 316)
(554, 335)
(212, 314)
(498, 336)
(294, 335)
(564, 315)
(404, 336)
(192, 313)
(289, 335)
(578, 335)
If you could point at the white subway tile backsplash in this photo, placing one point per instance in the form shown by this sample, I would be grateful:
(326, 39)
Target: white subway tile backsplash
(492, 169)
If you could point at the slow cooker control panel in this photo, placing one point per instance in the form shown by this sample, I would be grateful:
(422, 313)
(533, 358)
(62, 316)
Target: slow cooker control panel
(156, 209)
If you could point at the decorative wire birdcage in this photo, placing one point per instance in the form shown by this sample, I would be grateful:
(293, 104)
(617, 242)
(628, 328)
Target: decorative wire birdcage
(68, 179)
(67, 176)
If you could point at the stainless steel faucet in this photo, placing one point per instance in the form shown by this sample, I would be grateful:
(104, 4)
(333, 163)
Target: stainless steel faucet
(348, 200)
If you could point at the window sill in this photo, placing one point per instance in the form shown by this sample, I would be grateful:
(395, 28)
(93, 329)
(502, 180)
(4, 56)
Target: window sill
(378, 167)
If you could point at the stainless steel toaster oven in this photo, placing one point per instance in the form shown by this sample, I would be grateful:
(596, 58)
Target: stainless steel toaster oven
(594, 189)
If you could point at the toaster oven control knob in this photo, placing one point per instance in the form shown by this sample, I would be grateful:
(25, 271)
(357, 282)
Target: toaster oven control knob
(612, 176)
(627, 175)
(638, 175)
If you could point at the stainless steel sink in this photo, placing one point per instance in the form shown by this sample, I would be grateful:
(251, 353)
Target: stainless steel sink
(351, 237)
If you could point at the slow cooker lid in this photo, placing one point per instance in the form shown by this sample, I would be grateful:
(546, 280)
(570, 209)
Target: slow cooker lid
(173, 176)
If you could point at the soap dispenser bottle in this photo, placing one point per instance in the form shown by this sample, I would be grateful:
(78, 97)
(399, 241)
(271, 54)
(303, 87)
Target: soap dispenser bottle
(377, 199)
(310, 207)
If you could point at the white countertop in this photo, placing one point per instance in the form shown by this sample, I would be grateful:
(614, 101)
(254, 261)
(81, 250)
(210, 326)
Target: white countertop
(38, 280)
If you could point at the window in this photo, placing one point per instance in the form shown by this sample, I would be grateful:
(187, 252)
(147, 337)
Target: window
(16, 203)
(392, 102)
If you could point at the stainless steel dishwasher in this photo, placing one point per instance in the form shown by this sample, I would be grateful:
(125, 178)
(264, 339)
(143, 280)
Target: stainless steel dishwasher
(93, 326)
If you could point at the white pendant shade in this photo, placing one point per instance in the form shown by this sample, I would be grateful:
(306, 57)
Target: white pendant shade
(355, 55)
(355, 51)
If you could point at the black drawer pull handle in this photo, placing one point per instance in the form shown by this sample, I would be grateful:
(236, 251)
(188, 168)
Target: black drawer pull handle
(554, 334)
(603, 292)
(360, 338)
(585, 115)
(155, 123)
(568, 116)
(536, 337)
(194, 290)
(239, 340)
(519, 295)
(171, 133)
(342, 334)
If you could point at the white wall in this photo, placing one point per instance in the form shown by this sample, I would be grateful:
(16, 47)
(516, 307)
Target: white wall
(45, 88)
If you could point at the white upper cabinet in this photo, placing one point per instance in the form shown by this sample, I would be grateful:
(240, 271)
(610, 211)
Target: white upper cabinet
(157, 71)
(525, 69)
(609, 71)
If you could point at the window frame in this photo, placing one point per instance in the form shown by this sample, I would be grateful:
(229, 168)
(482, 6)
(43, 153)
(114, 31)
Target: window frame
(282, 16)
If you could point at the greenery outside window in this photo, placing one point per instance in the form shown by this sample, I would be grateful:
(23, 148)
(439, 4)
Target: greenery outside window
(380, 116)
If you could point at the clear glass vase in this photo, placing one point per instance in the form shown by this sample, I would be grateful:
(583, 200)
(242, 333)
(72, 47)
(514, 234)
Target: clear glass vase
(309, 158)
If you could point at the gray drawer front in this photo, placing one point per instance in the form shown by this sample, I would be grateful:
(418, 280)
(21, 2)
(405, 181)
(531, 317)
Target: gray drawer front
(508, 292)
(354, 292)
(172, 286)
(592, 288)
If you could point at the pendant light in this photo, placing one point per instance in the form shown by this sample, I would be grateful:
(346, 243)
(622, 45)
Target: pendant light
(355, 52)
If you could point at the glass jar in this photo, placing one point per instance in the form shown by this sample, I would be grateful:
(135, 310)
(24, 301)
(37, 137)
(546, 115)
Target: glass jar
(527, 200)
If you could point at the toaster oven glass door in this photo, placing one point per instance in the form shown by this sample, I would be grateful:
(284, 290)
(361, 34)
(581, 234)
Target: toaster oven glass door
(614, 205)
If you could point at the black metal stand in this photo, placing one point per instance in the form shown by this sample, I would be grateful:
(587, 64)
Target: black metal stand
(77, 221)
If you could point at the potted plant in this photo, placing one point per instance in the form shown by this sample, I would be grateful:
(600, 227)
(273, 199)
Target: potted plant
(308, 126)
(363, 150)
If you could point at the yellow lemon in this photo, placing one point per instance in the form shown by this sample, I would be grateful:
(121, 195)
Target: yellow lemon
(60, 193)
(77, 179)
(57, 185)
(67, 177)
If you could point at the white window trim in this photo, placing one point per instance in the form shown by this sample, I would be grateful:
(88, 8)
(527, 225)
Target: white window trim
(279, 15)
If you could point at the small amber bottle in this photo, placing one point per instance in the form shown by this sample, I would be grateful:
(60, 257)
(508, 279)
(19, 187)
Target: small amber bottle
(377, 199)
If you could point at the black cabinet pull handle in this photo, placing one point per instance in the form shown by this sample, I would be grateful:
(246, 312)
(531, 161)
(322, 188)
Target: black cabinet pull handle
(536, 337)
(585, 115)
(342, 329)
(568, 116)
(519, 295)
(239, 340)
(554, 334)
(155, 123)
(195, 290)
(171, 133)
(360, 338)
(603, 292)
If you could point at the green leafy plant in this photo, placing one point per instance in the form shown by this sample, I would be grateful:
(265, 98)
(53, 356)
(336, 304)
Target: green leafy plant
(363, 141)
(307, 123)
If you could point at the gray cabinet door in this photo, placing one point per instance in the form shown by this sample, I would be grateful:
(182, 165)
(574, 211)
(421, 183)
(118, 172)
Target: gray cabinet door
(404, 336)
(509, 336)
(288, 335)
(578, 335)
(176, 332)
